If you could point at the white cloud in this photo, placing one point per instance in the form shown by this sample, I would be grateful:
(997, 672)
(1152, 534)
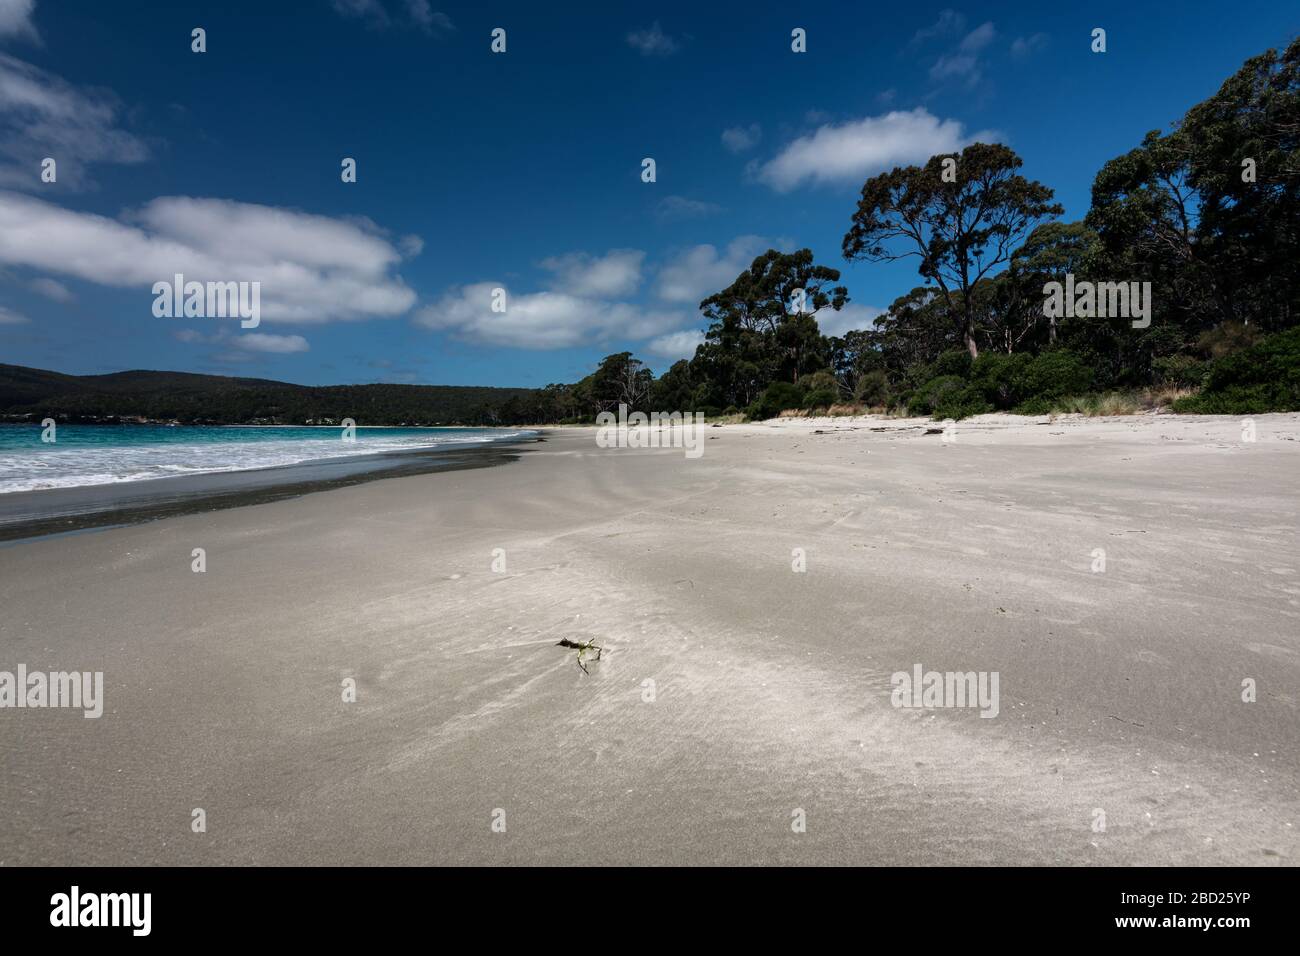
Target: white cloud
(16, 19)
(51, 290)
(978, 38)
(43, 116)
(618, 273)
(965, 60)
(847, 319)
(426, 18)
(265, 342)
(239, 348)
(580, 305)
(652, 41)
(740, 138)
(312, 268)
(9, 317)
(1025, 46)
(540, 320)
(851, 151)
(698, 272)
(675, 345)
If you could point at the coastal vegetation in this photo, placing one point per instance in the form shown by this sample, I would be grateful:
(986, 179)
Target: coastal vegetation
(1206, 216)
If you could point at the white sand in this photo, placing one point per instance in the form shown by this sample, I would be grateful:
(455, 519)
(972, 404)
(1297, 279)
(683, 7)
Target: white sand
(1120, 691)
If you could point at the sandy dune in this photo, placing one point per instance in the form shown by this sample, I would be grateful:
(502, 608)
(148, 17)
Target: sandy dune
(1120, 691)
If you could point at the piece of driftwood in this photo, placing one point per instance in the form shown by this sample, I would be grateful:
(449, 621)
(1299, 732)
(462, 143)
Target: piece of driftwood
(581, 647)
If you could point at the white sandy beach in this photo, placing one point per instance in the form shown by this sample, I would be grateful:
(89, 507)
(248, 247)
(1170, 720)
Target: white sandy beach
(1120, 691)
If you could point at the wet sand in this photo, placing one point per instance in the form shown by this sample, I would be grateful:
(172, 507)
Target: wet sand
(1120, 690)
(32, 514)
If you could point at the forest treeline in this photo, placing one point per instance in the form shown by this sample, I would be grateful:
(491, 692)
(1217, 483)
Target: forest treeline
(29, 395)
(1207, 212)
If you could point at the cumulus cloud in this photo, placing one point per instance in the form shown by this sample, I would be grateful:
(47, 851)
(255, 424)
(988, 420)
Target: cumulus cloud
(266, 342)
(738, 139)
(312, 268)
(618, 273)
(16, 19)
(540, 320)
(9, 317)
(849, 152)
(851, 317)
(43, 116)
(652, 41)
(580, 306)
(698, 272)
(675, 345)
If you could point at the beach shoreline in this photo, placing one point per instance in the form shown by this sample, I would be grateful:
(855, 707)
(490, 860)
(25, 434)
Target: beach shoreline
(27, 515)
(736, 693)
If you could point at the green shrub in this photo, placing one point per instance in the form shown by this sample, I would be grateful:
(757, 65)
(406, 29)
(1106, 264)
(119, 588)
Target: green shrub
(821, 398)
(1180, 370)
(999, 378)
(948, 396)
(775, 399)
(1264, 377)
(820, 381)
(1228, 338)
(962, 404)
(873, 388)
(952, 363)
(1038, 406)
(1021, 382)
(1055, 374)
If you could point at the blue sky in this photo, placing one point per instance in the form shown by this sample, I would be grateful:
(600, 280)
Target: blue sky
(519, 170)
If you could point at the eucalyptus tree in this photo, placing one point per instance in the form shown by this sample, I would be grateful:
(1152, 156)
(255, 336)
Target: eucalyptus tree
(961, 214)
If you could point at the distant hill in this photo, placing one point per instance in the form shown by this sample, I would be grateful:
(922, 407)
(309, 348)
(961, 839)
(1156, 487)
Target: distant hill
(30, 394)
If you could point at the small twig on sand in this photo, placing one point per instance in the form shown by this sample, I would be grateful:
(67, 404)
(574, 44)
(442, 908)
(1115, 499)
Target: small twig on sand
(1123, 721)
(581, 647)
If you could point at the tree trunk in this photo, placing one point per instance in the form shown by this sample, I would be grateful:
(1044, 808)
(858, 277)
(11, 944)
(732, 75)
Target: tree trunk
(968, 327)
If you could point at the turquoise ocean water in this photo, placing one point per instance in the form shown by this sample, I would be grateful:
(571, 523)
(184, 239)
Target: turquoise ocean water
(109, 454)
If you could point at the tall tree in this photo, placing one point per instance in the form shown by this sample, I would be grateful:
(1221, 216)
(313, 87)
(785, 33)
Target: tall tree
(1050, 253)
(1210, 211)
(620, 379)
(961, 221)
(766, 319)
